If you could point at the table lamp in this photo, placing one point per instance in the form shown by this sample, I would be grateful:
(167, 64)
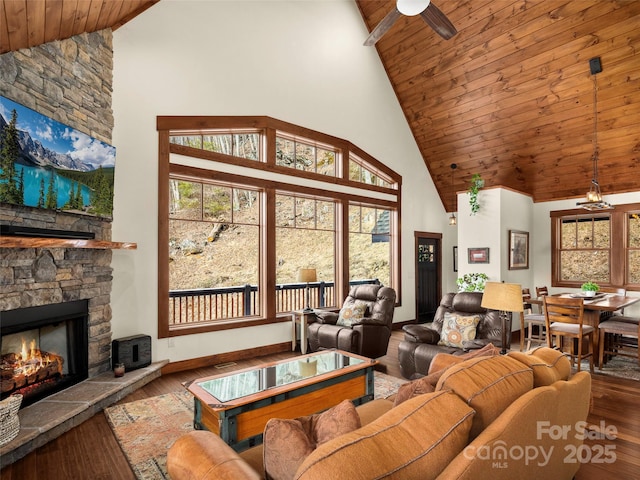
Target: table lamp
(307, 275)
(504, 297)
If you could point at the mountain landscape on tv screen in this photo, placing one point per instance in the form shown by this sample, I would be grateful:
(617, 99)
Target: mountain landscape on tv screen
(46, 164)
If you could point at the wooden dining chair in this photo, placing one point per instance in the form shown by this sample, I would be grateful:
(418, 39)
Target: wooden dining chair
(542, 291)
(532, 325)
(565, 318)
(526, 299)
(616, 290)
(615, 338)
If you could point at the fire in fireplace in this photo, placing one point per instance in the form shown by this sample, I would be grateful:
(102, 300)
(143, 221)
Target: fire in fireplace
(43, 349)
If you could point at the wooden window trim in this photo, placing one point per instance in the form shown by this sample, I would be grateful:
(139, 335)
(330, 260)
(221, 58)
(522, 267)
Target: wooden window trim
(169, 125)
(617, 245)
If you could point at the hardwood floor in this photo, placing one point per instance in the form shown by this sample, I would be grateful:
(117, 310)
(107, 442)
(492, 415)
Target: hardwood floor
(90, 451)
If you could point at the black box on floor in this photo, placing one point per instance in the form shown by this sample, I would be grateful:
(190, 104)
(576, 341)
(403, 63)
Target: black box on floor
(134, 351)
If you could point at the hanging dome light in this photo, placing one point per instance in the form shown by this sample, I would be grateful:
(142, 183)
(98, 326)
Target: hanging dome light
(594, 195)
(452, 218)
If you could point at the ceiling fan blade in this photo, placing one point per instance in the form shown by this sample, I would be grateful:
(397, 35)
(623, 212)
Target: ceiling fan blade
(385, 24)
(438, 21)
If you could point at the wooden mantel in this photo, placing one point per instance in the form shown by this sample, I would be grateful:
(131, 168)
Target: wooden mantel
(41, 242)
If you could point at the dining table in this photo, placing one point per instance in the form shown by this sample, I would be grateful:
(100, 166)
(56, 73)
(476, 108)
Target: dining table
(594, 307)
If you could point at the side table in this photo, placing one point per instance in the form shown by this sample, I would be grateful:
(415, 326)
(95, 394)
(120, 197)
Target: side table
(301, 318)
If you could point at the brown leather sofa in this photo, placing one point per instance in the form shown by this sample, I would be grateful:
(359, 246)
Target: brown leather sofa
(368, 336)
(420, 342)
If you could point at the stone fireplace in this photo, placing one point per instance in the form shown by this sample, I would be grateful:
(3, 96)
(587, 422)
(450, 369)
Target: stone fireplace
(52, 276)
(56, 293)
(46, 272)
(43, 350)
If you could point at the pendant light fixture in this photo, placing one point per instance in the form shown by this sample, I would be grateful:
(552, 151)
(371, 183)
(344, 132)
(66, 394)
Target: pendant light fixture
(594, 199)
(452, 219)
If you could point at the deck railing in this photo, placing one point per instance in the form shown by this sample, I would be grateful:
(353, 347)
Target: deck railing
(211, 304)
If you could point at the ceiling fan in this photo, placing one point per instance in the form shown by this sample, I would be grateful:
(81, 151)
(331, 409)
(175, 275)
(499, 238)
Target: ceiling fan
(427, 10)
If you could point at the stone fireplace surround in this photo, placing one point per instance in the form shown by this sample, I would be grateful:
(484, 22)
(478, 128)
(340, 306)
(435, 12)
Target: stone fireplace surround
(47, 275)
(32, 277)
(54, 274)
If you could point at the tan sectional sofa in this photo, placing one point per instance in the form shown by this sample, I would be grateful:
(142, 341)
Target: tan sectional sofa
(489, 417)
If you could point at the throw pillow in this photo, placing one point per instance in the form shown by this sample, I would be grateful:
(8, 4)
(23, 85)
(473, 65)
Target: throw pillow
(287, 442)
(457, 329)
(350, 314)
(548, 365)
(428, 383)
(414, 388)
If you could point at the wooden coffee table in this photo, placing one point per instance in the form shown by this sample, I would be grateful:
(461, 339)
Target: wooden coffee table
(238, 405)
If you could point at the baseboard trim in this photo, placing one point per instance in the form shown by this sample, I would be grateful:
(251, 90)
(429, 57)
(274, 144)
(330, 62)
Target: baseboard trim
(226, 357)
(399, 325)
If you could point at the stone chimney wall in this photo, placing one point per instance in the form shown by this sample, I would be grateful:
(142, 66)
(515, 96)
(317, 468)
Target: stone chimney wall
(71, 82)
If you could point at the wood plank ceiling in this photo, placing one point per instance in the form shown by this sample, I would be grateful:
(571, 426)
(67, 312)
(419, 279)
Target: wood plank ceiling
(509, 97)
(28, 23)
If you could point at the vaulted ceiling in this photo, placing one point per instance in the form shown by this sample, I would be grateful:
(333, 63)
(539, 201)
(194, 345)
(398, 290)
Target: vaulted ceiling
(510, 97)
(27, 23)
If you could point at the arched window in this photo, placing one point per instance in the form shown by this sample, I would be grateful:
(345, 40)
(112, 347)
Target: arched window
(245, 203)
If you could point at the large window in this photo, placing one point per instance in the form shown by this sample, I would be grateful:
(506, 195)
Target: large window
(585, 249)
(370, 245)
(360, 171)
(602, 247)
(305, 155)
(241, 213)
(305, 239)
(214, 252)
(633, 248)
(238, 144)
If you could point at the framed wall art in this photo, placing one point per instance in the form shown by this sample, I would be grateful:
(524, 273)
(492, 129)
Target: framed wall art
(478, 255)
(518, 250)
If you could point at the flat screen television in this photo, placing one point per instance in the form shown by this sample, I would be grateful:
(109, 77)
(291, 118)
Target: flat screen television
(46, 164)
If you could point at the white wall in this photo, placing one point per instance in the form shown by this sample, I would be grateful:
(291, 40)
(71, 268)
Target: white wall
(516, 213)
(298, 61)
(479, 231)
(500, 210)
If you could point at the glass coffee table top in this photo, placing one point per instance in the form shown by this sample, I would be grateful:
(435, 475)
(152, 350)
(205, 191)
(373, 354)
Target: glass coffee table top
(248, 382)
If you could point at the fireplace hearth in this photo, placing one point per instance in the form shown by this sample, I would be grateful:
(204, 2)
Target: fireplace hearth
(43, 349)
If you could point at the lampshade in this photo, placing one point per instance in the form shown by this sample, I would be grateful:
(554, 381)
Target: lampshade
(505, 297)
(307, 275)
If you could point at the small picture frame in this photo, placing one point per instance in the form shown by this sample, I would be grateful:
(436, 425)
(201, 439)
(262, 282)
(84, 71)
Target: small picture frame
(518, 250)
(455, 258)
(478, 255)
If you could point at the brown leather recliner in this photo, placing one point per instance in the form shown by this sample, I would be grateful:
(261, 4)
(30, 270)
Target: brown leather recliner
(368, 336)
(420, 342)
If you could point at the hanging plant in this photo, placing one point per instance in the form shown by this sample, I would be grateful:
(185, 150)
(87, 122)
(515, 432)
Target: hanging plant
(472, 282)
(476, 184)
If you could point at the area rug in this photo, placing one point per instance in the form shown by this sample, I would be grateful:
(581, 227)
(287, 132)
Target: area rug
(618, 366)
(145, 429)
